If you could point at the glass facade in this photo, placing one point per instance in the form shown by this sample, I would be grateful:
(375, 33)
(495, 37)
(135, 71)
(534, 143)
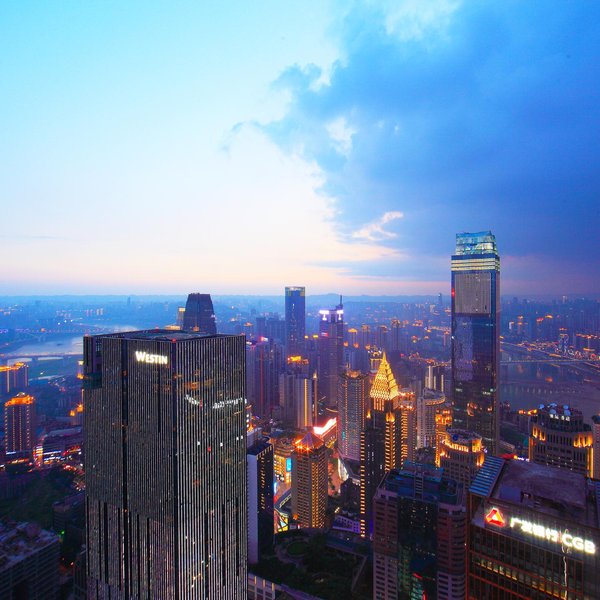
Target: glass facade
(165, 462)
(295, 320)
(475, 335)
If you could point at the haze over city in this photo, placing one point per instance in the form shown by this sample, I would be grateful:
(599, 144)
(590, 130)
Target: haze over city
(152, 148)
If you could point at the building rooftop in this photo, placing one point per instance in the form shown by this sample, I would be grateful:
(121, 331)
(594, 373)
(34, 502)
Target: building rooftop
(161, 335)
(20, 540)
(432, 486)
(309, 442)
(481, 242)
(21, 399)
(549, 490)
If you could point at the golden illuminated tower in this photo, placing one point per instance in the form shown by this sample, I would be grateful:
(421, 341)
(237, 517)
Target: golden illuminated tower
(388, 439)
(443, 422)
(19, 426)
(309, 481)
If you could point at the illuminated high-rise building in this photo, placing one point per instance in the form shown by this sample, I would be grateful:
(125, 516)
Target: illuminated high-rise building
(309, 481)
(331, 352)
(596, 446)
(533, 532)
(388, 438)
(428, 406)
(475, 335)
(443, 422)
(259, 458)
(461, 455)
(199, 314)
(559, 438)
(165, 465)
(352, 410)
(295, 320)
(13, 379)
(298, 394)
(419, 535)
(19, 426)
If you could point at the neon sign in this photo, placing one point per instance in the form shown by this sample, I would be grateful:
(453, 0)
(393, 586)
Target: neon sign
(151, 359)
(494, 517)
(567, 540)
(228, 402)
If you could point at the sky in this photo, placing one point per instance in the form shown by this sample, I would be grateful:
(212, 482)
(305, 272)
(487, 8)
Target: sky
(232, 147)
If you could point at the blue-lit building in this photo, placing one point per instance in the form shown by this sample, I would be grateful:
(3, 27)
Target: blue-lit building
(475, 335)
(295, 320)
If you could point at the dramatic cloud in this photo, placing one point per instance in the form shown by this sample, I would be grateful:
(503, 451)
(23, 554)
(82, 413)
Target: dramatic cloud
(477, 116)
(375, 231)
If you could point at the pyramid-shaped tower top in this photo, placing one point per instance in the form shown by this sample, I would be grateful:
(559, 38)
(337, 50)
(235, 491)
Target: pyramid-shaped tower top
(384, 386)
(309, 442)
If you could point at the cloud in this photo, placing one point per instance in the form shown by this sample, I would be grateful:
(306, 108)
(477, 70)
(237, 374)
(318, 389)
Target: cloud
(475, 114)
(375, 231)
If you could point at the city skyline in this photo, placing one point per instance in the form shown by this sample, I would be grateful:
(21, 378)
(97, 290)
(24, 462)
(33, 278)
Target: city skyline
(340, 147)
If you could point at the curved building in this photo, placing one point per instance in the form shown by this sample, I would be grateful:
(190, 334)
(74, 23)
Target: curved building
(461, 455)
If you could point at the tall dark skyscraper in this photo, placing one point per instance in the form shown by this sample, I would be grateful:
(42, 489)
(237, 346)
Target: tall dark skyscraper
(331, 352)
(295, 320)
(165, 463)
(475, 335)
(199, 314)
(353, 403)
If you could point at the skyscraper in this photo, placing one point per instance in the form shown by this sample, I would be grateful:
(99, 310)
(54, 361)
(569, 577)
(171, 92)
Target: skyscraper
(559, 438)
(352, 411)
(418, 536)
(461, 455)
(295, 320)
(309, 481)
(165, 463)
(19, 426)
(388, 438)
(199, 314)
(260, 494)
(331, 352)
(13, 378)
(475, 335)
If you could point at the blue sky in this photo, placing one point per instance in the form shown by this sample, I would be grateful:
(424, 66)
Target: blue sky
(161, 147)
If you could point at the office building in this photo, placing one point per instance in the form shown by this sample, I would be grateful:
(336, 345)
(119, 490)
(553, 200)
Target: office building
(559, 438)
(461, 455)
(264, 362)
(435, 377)
(298, 394)
(475, 335)
(295, 320)
(419, 534)
(29, 562)
(596, 446)
(199, 314)
(443, 422)
(388, 438)
(428, 405)
(331, 352)
(13, 379)
(19, 427)
(259, 458)
(165, 466)
(533, 532)
(283, 450)
(309, 481)
(352, 410)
